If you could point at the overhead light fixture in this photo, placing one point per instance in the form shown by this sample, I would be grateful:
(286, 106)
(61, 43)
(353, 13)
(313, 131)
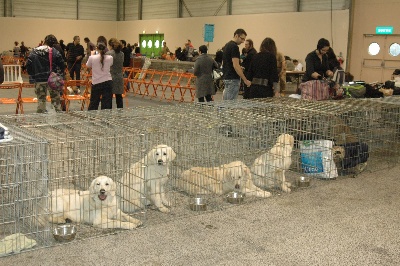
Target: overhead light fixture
(157, 31)
(144, 32)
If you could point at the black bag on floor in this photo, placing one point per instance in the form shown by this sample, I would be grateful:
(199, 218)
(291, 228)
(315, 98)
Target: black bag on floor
(372, 91)
(354, 154)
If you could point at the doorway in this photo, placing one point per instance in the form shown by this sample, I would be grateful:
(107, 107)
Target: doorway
(151, 44)
(381, 56)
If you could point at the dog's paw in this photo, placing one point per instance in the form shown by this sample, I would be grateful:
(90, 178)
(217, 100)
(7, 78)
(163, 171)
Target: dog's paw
(286, 187)
(164, 209)
(263, 194)
(131, 225)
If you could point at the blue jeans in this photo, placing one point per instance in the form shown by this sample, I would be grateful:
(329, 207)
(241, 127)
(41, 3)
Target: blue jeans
(231, 90)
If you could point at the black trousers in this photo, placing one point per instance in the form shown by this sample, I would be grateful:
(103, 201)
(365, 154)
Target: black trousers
(207, 97)
(119, 100)
(101, 92)
(74, 70)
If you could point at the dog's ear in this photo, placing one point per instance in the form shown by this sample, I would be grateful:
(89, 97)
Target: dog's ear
(92, 186)
(113, 186)
(171, 154)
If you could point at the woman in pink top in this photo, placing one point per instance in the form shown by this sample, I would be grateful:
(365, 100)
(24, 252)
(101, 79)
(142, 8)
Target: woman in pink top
(101, 78)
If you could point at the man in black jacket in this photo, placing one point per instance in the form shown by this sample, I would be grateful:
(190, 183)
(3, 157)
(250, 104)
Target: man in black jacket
(38, 67)
(75, 54)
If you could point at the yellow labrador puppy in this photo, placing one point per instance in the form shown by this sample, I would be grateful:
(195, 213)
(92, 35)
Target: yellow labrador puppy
(97, 206)
(146, 179)
(268, 170)
(219, 180)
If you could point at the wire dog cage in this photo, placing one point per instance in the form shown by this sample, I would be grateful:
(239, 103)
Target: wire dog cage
(163, 160)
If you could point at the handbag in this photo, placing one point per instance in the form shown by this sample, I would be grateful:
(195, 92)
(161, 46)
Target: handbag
(217, 74)
(55, 81)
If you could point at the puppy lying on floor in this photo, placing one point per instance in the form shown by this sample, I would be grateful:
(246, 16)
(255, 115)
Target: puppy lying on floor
(97, 206)
(268, 170)
(219, 180)
(146, 179)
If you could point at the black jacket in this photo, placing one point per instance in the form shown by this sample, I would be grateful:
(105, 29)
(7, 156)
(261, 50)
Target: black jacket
(38, 64)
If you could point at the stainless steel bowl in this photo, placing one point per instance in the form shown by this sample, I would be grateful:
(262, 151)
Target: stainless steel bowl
(235, 197)
(303, 181)
(198, 203)
(64, 232)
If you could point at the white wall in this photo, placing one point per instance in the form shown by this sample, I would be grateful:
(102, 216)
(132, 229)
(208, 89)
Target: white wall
(33, 30)
(295, 34)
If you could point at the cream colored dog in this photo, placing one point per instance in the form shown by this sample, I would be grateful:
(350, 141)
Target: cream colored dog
(97, 206)
(268, 170)
(219, 180)
(146, 179)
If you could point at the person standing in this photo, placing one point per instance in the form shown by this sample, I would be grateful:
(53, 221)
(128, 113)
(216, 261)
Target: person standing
(189, 50)
(250, 52)
(75, 54)
(23, 49)
(16, 50)
(1, 73)
(281, 61)
(38, 68)
(164, 50)
(231, 66)
(263, 71)
(89, 47)
(203, 69)
(116, 70)
(101, 78)
(127, 54)
(317, 65)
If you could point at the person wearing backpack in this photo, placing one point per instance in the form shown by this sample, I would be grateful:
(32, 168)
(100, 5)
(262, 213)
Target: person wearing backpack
(38, 68)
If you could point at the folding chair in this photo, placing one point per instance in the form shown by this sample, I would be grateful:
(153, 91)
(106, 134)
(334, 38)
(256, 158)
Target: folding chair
(75, 97)
(12, 73)
(14, 100)
(185, 84)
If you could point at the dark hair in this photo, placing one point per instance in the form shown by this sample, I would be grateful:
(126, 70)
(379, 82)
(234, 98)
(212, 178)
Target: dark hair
(115, 44)
(322, 43)
(268, 45)
(250, 41)
(86, 39)
(203, 49)
(239, 32)
(123, 42)
(50, 40)
(137, 50)
(295, 60)
(76, 37)
(102, 39)
(101, 47)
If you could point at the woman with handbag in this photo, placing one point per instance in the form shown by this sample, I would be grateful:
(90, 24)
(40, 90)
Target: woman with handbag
(263, 72)
(39, 69)
(101, 78)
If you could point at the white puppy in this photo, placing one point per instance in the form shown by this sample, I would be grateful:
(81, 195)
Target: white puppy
(97, 206)
(219, 180)
(146, 179)
(268, 170)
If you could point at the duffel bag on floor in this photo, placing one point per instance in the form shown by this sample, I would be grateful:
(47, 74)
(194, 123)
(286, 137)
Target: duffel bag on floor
(354, 91)
(316, 90)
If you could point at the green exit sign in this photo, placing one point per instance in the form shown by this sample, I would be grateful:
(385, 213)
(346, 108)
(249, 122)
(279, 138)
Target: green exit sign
(384, 30)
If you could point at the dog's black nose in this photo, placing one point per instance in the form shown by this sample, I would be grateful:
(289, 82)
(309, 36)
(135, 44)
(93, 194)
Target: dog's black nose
(160, 161)
(237, 186)
(102, 191)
